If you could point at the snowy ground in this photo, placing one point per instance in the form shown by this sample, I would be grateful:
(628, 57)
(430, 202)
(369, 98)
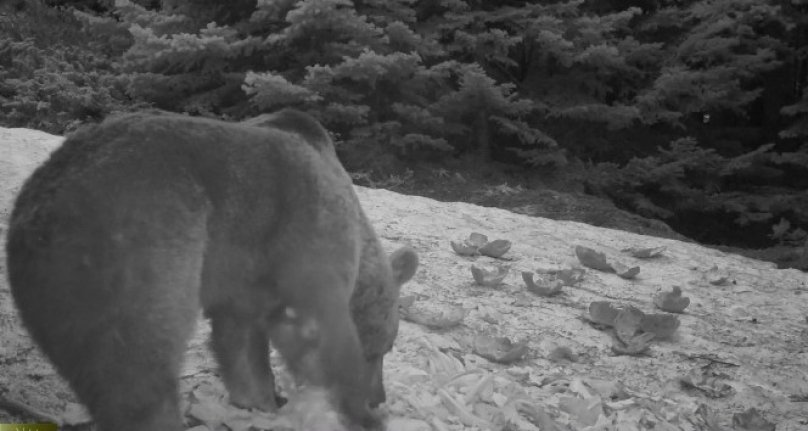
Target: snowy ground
(742, 344)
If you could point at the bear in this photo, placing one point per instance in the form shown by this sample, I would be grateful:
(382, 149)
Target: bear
(135, 225)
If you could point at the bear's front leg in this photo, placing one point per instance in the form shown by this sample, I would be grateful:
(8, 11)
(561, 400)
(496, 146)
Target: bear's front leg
(318, 340)
(241, 345)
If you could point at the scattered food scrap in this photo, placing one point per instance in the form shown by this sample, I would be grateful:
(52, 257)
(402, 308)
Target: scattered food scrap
(646, 252)
(496, 248)
(717, 276)
(499, 349)
(478, 243)
(489, 277)
(597, 260)
(673, 301)
(433, 315)
(546, 286)
(593, 259)
(627, 272)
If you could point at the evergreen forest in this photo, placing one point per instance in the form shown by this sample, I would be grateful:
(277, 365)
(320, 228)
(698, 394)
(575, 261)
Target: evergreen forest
(691, 113)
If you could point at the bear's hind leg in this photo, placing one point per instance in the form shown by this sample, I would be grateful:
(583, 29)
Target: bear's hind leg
(124, 361)
(142, 396)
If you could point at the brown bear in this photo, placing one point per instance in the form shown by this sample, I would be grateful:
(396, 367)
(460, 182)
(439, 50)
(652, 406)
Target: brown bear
(134, 225)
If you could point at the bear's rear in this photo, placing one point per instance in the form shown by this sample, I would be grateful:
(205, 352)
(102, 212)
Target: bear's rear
(131, 227)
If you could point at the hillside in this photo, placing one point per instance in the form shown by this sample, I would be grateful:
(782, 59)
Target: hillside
(742, 342)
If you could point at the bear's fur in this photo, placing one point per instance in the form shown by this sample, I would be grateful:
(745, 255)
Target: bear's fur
(132, 226)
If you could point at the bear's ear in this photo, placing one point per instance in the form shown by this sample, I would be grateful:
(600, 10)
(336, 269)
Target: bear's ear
(404, 262)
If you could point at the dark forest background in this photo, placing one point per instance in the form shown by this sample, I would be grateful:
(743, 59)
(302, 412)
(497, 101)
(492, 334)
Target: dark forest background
(692, 113)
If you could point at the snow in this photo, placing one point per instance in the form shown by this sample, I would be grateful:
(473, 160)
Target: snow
(748, 336)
